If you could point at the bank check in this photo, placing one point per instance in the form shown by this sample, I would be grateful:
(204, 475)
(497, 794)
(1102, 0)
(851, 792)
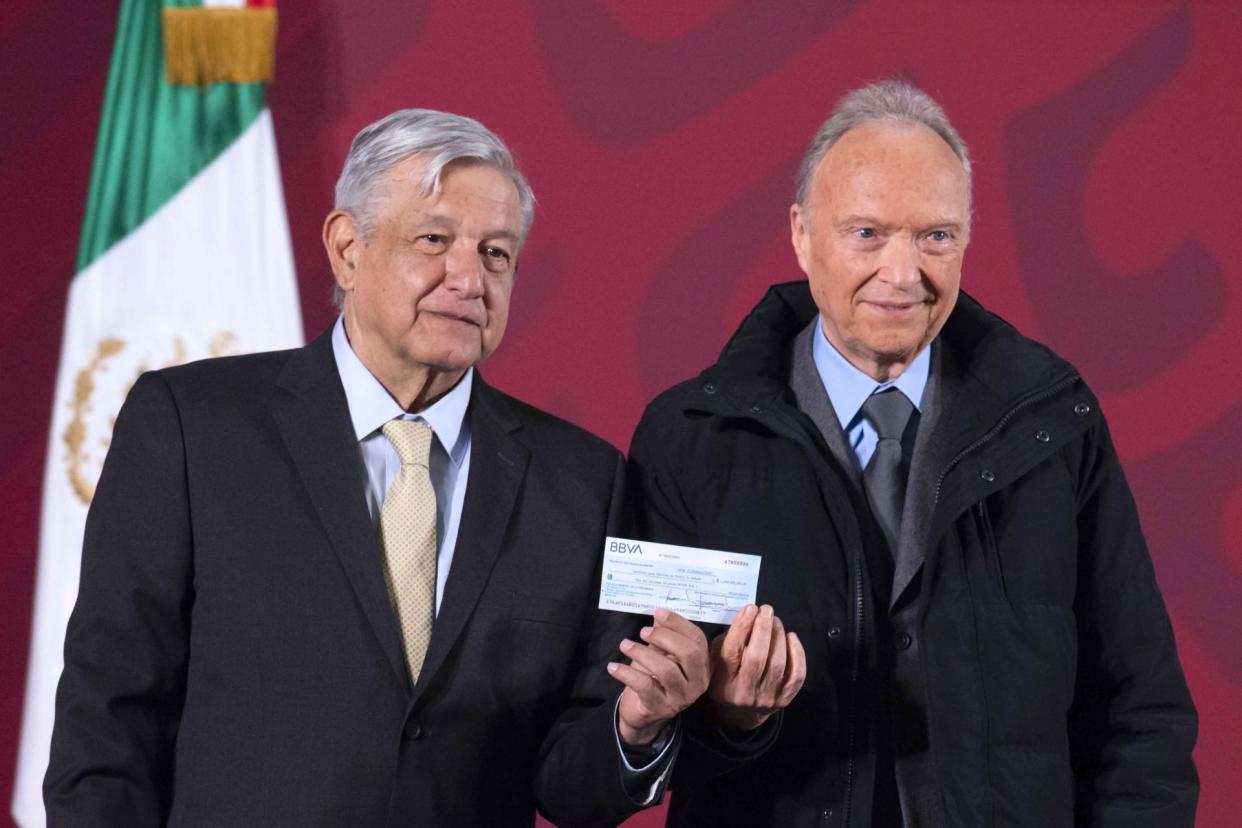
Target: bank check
(700, 584)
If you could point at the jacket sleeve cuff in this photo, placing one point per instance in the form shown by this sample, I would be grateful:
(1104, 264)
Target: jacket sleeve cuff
(645, 770)
(731, 746)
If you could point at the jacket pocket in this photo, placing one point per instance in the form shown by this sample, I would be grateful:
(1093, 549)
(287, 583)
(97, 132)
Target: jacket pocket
(989, 551)
(540, 646)
(540, 609)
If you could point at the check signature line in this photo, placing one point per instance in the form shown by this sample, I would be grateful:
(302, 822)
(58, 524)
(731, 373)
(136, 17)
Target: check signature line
(700, 600)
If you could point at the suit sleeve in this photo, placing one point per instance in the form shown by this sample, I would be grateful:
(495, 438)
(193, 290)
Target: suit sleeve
(1133, 724)
(120, 696)
(660, 508)
(581, 779)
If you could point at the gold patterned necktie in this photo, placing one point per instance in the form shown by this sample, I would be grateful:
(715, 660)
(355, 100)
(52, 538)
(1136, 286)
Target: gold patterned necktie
(408, 539)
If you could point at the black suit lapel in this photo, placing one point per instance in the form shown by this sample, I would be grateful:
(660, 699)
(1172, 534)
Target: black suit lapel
(497, 467)
(315, 425)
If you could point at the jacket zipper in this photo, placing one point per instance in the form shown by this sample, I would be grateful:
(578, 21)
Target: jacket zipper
(1026, 402)
(847, 807)
(992, 561)
(859, 616)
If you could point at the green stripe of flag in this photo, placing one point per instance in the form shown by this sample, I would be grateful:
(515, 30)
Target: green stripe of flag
(153, 137)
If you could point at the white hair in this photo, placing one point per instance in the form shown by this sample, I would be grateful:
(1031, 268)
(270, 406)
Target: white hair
(444, 137)
(893, 100)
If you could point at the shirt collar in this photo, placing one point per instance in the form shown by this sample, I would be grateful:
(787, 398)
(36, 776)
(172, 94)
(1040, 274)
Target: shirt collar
(370, 405)
(848, 387)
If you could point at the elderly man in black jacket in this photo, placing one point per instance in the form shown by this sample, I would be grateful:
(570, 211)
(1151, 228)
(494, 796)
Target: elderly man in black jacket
(943, 520)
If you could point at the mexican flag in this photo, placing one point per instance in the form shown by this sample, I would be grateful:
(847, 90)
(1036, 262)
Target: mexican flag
(184, 254)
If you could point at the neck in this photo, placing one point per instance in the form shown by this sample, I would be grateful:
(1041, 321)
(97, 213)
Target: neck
(414, 389)
(418, 395)
(880, 369)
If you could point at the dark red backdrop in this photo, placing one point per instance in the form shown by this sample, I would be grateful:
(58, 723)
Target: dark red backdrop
(661, 141)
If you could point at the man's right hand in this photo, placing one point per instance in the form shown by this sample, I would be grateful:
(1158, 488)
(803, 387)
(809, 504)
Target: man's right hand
(757, 669)
(668, 674)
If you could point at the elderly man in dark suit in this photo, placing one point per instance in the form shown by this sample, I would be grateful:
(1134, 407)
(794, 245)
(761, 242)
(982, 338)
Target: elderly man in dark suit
(352, 584)
(942, 518)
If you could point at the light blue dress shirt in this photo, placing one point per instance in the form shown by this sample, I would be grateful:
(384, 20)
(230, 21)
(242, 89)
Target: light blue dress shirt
(848, 388)
(370, 407)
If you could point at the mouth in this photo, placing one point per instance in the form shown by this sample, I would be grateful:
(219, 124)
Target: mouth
(894, 308)
(464, 319)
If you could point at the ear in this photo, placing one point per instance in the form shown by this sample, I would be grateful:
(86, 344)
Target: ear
(800, 235)
(343, 241)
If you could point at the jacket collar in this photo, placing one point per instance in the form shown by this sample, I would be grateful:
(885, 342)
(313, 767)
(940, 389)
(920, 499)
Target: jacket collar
(983, 370)
(753, 368)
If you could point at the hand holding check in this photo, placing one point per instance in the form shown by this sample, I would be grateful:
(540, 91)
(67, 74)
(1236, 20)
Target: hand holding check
(757, 669)
(666, 674)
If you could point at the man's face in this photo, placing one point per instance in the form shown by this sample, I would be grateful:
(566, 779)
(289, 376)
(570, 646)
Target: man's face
(427, 291)
(881, 240)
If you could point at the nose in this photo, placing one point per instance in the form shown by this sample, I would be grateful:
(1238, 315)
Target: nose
(464, 270)
(902, 262)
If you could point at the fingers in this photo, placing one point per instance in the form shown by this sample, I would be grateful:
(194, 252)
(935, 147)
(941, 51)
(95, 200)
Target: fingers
(774, 668)
(759, 668)
(668, 621)
(755, 656)
(795, 672)
(641, 682)
(737, 635)
(667, 618)
(771, 672)
(681, 640)
(665, 669)
(661, 680)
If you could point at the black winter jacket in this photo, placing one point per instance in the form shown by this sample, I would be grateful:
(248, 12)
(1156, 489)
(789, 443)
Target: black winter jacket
(1054, 695)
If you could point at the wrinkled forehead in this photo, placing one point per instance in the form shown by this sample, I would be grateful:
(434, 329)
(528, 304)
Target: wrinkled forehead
(883, 165)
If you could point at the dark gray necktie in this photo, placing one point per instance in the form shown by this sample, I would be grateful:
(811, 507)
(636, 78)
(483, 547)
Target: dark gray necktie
(884, 479)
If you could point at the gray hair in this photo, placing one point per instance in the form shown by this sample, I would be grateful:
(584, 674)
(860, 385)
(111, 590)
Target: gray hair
(893, 100)
(446, 138)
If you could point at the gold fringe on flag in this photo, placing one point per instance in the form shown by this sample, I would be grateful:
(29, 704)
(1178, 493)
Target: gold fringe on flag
(203, 46)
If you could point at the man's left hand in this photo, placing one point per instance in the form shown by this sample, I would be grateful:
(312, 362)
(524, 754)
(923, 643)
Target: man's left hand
(666, 674)
(757, 669)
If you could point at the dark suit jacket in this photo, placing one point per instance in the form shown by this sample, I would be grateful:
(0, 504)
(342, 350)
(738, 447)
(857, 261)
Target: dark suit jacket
(233, 660)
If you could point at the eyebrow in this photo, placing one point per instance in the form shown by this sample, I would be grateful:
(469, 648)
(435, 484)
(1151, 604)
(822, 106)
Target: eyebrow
(870, 221)
(441, 220)
(847, 221)
(502, 234)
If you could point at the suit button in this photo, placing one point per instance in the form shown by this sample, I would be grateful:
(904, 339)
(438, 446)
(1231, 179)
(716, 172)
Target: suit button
(904, 641)
(413, 730)
(834, 632)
